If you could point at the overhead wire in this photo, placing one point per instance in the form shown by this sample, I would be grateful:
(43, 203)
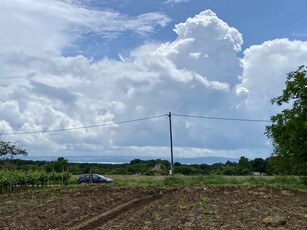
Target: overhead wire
(85, 127)
(219, 118)
(134, 120)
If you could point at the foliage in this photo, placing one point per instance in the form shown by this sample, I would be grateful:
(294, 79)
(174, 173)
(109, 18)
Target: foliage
(208, 212)
(31, 178)
(188, 170)
(259, 165)
(38, 176)
(181, 180)
(137, 168)
(59, 165)
(288, 130)
(244, 166)
(11, 149)
(204, 198)
(144, 167)
(7, 152)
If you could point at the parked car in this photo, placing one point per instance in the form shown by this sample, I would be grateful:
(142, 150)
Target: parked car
(93, 178)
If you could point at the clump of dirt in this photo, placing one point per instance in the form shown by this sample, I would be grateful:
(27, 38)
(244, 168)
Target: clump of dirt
(274, 221)
(123, 207)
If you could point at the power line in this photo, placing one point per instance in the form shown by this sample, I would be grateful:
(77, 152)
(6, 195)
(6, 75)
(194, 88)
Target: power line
(85, 127)
(220, 118)
(135, 120)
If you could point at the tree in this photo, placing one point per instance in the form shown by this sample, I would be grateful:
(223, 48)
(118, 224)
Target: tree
(229, 168)
(288, 130)
(244, 166)
(259, 165)
(10, 149)
(60, 164)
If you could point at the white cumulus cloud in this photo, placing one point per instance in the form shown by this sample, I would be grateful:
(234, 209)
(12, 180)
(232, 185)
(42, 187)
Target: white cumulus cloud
(197, 73)
(51, 25)
(265, 70)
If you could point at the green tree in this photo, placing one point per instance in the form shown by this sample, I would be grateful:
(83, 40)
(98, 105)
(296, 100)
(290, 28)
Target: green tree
(229, 168)
(136, 168)
(60, 164)
(288, 130)
(244, 166)
(259, 165)
(10, 149)
(74, 169)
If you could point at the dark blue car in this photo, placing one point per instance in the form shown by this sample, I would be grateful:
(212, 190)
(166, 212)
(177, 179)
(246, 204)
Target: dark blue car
(93, 178)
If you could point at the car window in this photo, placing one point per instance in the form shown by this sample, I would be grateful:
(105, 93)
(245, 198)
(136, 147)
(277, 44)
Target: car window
(95, 177)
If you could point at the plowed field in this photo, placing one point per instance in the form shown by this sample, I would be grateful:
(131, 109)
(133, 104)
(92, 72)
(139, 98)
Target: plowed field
(121, 207)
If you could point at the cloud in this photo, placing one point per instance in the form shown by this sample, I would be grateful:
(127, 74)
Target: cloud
(51, 25)
(215, 43)
(56, 92)
(197, 73)
(265, 70)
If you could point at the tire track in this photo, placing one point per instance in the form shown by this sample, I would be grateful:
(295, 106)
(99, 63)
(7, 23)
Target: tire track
(104, 217)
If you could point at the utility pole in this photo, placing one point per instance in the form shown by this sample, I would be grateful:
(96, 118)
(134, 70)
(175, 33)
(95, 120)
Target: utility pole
(171, 143)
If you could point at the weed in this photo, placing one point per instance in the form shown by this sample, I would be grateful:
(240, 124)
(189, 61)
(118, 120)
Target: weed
(171, 181)
(204, 198)
(208, 212)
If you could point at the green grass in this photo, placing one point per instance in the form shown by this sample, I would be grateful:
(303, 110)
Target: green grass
(180, 180)
(208, 212)
(72, 180)
(291, 182)
(204, 199)
(136, 180)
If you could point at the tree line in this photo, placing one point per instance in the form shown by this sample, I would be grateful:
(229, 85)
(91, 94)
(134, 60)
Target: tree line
(244, 166)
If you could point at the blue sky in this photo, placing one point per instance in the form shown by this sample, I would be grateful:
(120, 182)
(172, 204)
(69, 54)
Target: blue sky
(258, 21)
(79, 63)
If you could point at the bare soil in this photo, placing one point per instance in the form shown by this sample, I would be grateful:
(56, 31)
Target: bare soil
(123, 207)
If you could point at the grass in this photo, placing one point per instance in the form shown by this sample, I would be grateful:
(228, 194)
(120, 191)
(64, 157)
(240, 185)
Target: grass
(204, 199)
(180, 180)
(136, 180)
(208, 212)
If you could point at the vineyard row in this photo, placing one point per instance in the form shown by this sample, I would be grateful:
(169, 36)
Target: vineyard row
(10, 179)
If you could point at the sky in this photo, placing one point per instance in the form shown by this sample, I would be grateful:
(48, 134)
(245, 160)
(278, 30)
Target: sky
(72, 64)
